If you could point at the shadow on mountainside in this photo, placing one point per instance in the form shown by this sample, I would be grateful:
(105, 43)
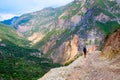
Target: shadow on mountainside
(90, 68)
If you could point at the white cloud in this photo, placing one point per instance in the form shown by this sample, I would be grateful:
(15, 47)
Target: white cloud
(6, 16)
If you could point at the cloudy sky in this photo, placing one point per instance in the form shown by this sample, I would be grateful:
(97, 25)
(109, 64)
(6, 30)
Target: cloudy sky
(10, 8)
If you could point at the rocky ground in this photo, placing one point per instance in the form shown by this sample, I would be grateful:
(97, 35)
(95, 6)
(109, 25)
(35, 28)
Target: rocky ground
(90, 68)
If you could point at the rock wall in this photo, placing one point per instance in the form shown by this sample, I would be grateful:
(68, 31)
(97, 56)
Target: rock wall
(112, 46)
(36, 37)
(67, 51)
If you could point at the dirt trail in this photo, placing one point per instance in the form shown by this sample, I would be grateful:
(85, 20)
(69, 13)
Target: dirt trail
(90, 68)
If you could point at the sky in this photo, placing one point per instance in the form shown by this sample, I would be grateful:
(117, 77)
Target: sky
(11, 8)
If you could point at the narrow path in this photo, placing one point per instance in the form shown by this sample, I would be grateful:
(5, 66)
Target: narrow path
(90, 68)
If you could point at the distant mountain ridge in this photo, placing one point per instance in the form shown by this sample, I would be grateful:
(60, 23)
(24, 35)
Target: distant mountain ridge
(10, 22)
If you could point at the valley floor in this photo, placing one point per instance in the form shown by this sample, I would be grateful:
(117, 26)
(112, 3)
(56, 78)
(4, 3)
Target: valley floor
(90, 68)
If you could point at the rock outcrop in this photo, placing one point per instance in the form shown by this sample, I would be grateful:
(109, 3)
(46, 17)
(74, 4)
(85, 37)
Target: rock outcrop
(102, 18)
(93, 67)
(48, 46)
(67, 51)
(112, 46)
(36, 37)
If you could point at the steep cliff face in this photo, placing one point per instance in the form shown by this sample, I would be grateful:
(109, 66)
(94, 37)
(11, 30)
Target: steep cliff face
(67, 52)
(93, 67)
(36, 37)
(112, 46)
(90, 20)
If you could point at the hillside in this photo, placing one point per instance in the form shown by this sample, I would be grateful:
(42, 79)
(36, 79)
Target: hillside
(35, 42)
(90, 68)
(112, 47)
(18, 60)
(10, 22)
(89, 20)
(52, 30)
(96, 66)
(9, 35)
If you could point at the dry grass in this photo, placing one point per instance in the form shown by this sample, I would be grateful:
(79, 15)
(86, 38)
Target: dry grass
(109, 53)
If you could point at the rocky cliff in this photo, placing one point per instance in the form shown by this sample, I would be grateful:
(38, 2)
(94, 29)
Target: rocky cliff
(112, 46)
(67, 52)
(91, 26)
(93, 67)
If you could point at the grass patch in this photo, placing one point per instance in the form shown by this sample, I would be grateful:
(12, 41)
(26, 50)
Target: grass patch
(9, 34)
(108, 27)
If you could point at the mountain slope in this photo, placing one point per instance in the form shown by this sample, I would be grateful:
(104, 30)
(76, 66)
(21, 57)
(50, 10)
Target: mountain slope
(91, 26)
(90, 20)
(90, 68)
(18, 60)
(60, 34)
(10, 35)
(93, 67)
(10, 22)
(37, 21)
(112, 47)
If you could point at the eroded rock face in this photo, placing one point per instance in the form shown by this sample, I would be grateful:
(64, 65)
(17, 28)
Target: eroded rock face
(67, 51)
(35, 37)
(76, 19)
(48, 46)
(102, 18)
(63, 23)
(112, 46)
(24, 28)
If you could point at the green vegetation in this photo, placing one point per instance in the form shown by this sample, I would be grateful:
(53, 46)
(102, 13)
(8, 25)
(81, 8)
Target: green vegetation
(26, 18)
(17, 59)
(9, 34)
(66, 17)
(73, 10)
(111, 3)
(40, 20)
(101, 3)
(104, 5)
(20, 62)
(30, 68)
(64, 36)
(108, 27)
(100, 10)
